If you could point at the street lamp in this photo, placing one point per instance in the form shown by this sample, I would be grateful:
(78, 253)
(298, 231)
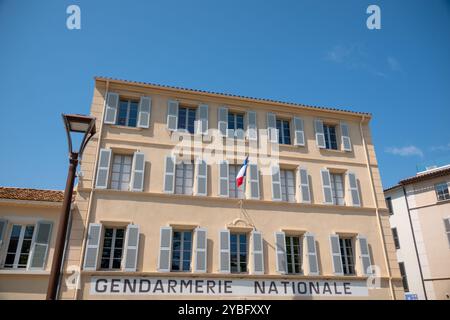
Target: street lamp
(85, 125)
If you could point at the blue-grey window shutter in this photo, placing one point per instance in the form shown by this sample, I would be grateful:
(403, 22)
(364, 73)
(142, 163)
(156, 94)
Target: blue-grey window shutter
(258, 252)
(253, 178)
(137, 172)
(326, 185)
(336, 254)
(299, 137)
(311, 252)
(165, 249)
(276, 183)
(40, 246)
(304, 189)
(111, 105)
(101, 182)
(320, 136)
(131, 248)
(169, 174)
(201, 250)
(202, 177)
(145, 107)
(354, 190)
(3, 224)
(172, 115)
(92, 246)
(223, 179)
(272, 131)
(252, 128)
(345, 137)
(364, 255)
(224, 253)
(202, 119)
(280, 248)
(222, 122)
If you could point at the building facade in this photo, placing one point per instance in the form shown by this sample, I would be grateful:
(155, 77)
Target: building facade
(420, 221)
(158, 214)
(28, 220)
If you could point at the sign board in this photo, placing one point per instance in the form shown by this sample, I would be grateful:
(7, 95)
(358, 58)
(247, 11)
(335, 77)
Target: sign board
(110, 285)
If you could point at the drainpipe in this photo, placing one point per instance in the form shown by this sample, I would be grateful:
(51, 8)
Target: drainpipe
(415, 244)
(374, 197)
(83, 246)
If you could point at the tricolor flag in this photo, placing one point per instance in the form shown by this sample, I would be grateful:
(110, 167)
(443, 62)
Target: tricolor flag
(241, 174)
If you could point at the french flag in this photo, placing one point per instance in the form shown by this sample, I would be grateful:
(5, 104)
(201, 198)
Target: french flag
(241, 174)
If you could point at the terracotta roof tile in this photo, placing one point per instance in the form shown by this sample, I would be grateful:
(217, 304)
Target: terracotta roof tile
(428, 175)
(31, 194)
(234, 96)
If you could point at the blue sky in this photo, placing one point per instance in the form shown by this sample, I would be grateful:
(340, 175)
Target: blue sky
(312, 52)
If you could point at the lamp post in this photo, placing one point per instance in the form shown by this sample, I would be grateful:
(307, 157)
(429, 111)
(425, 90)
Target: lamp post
(85, 125)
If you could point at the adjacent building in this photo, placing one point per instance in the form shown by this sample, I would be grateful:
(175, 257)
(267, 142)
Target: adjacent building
(28, 218)
(420, 219)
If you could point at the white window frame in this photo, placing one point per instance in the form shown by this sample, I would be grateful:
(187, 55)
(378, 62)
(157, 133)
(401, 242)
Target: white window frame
(183, 187)
(440, 184)
(327, 135)
(127, 120)
(239, 192)
(121, 172)
(238, 252)
(285, 190)
(188, 109)
(235, 114)
(299, 253)
(345, 256)
(333, 188)
(181, 251)
(281, 134)
(19, 246)
(112, 248)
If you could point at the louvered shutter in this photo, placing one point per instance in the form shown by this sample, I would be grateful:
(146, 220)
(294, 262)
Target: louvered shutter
(169, 174)
(276, 183)
(258, 254)
(201, 250)
(112, 103)
(101, 182)
(303, 181)
(172, 115)
(280, 248)
(40, 246)
(336, 254)
(252, 129)
(92, 246)
(3, 224)
(320, 136)
(364, 255)
(345, 137)
(223, 179)
(222, 123)
(354, 191)
(224, 258)
(131, 248)
(202, 119)
(272, 131)
(137, 172)
(202, 177)
(253, 181)
(165, 249)
(326, 185)
(311, 252)
(299, 137)
(145, 107)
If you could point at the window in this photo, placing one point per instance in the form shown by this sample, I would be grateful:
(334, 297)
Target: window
(112, 248)
(403, 274)
(235, 122)
(287, 185)
(184, 178)
(447, 229)
(337, 187)
(347, 256)
(389, 205)
(234, 191)
(181, 250)
(121, 172)
(330, 136)
(395, 236)
(128, 111)
(442, 191)
(294, 254)
(238, 252)
(19, 246)
(284, 132)
(186, 119)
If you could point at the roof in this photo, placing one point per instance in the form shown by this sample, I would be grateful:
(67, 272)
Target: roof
(228, 95)
(31, 194)
(436, 173)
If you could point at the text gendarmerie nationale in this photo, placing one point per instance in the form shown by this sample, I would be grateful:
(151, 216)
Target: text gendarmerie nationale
(124, 286)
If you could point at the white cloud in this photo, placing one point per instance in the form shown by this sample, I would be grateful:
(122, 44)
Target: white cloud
(405, 151)
(441, 147)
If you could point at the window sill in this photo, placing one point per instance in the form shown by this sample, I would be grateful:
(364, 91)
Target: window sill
(126, 127)
(442, 201)
(24, 272)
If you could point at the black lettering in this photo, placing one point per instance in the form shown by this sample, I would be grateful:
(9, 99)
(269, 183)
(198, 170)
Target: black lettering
(273, 287)
(301, 288)
(285, 283)
(261, 288)
(198, 286)
(115, 285)
(210, 286)
(104, 288)
(171, 284)
(336, 289)
(347, 288)
(141, 287)
(158, 286)
(314, 286)
(127, 285)
(326, 288)
(228, 286)
(187, 284)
